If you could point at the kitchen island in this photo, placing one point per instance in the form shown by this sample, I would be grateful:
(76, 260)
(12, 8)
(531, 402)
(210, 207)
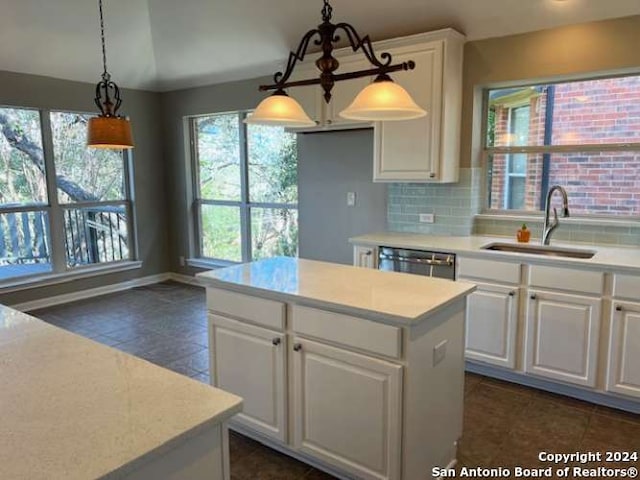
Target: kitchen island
(74, 409)
(356, 371)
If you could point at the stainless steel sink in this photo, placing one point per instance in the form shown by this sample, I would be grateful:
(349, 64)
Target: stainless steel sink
(540, 250)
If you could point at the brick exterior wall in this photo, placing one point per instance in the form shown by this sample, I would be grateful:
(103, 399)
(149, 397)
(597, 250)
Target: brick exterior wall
(588, 112)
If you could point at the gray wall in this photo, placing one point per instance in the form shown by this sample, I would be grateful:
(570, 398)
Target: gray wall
(330, 164)
(152, 222)
(176, 106)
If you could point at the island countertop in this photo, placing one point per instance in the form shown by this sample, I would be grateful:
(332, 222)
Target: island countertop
(75, 409)
(385, 296)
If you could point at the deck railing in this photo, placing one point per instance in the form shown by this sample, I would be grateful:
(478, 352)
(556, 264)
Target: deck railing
(92, 235)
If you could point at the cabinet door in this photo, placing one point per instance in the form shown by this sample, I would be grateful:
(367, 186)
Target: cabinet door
(249, 361)
(365, 257)
(308, 97)
(562, 337)
(491, 324)
(345, 92)
(410, 150)
(623, 375)
(347, 410)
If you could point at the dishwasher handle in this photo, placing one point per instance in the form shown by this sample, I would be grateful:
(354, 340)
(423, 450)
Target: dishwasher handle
(421, 261)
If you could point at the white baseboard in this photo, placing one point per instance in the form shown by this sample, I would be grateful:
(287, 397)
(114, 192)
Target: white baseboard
(92, 292)
(186, 279)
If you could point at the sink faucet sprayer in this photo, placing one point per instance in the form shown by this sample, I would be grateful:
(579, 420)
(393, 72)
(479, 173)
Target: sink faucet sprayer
(548, 226)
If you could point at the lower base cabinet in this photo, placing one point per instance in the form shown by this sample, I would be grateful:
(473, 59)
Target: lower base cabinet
(250, 362)
(491, 325)
(623, 375)
(562, 337)
(347, 409)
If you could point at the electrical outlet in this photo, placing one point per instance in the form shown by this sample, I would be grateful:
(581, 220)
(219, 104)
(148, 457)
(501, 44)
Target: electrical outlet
(351, 199)
(181, 260)
(427, 218)
(440, 352)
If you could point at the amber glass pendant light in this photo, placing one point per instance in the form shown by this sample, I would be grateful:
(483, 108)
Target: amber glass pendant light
(108, 129)
(383, 100)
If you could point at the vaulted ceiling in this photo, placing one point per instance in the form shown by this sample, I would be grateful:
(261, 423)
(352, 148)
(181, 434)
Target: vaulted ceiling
(169, 44)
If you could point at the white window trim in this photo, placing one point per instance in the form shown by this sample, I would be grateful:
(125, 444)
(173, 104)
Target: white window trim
(79, 273)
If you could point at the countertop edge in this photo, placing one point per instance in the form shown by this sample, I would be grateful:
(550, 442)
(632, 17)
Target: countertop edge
(372, 315)
(174, 442)
(370, 240)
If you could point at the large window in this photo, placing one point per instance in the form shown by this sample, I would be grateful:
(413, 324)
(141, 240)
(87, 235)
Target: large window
(62, 205)
(246, 194)
(583, 135)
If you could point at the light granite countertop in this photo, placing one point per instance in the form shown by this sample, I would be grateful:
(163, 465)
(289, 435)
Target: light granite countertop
(384, 296)
(606, 258)
(74, 409)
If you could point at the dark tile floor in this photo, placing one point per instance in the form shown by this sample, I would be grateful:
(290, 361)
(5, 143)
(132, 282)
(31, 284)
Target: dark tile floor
(504, 424)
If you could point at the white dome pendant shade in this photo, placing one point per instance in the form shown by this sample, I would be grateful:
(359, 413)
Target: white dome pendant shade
(279, 109)
(383, 100)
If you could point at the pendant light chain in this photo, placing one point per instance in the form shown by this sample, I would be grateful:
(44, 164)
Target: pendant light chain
(105, 74)
(327, 11)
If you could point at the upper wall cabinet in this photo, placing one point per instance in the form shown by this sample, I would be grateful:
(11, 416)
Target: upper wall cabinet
(426, 149)
(422, 150)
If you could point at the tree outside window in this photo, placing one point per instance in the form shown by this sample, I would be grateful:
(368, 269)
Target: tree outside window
(245, 179)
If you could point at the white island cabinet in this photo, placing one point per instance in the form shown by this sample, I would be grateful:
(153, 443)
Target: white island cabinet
(75, 409)
(356, 371)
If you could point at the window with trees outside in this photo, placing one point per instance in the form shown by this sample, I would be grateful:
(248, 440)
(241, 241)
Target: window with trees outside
(583, 135)
(62, 205)
(246, 193)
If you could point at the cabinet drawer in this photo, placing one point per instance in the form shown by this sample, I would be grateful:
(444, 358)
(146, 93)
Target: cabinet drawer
(501, 272)
(626, 286)
(566, 279)
(267, 313)
(347, 330)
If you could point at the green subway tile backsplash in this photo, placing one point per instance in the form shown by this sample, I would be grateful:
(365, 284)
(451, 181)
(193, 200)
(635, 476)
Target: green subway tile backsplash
(456, 205)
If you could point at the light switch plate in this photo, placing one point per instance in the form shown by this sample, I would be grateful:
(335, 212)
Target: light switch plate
(440, 352)
(427, 218)
(351, 199)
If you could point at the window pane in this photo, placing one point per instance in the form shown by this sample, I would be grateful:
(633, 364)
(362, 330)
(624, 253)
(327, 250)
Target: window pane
(597, 182)
(583, 112)
(24, 244)
(516, 116)
(218, 156)
(597, 111)
(84, 174)
(516, 198)
(273, 156)
(22, 180)
(96, 235)
(274, 232)
(221, 232)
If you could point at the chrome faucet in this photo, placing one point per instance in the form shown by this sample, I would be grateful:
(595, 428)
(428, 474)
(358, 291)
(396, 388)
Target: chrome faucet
(548, 226)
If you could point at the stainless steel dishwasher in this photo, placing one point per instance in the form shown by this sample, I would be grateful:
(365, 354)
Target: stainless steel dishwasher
(419, 262)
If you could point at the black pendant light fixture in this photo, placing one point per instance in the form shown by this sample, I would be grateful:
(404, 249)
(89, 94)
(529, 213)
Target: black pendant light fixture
(382, 100)
(108, 129)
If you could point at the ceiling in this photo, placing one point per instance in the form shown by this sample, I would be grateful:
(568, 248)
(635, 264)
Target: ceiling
(169, 44)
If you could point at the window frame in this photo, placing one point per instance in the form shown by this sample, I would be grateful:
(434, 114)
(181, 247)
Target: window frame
(245, 205)
(547, 150)
(55, 211)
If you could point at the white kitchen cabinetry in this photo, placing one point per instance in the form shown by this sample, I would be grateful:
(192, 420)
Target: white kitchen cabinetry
(347, 409)
(562, 337)
(492, 311)
(491, 324)
(425, 149)
(623, 374)
(364, 397)
(366, 257)
(250, 362)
